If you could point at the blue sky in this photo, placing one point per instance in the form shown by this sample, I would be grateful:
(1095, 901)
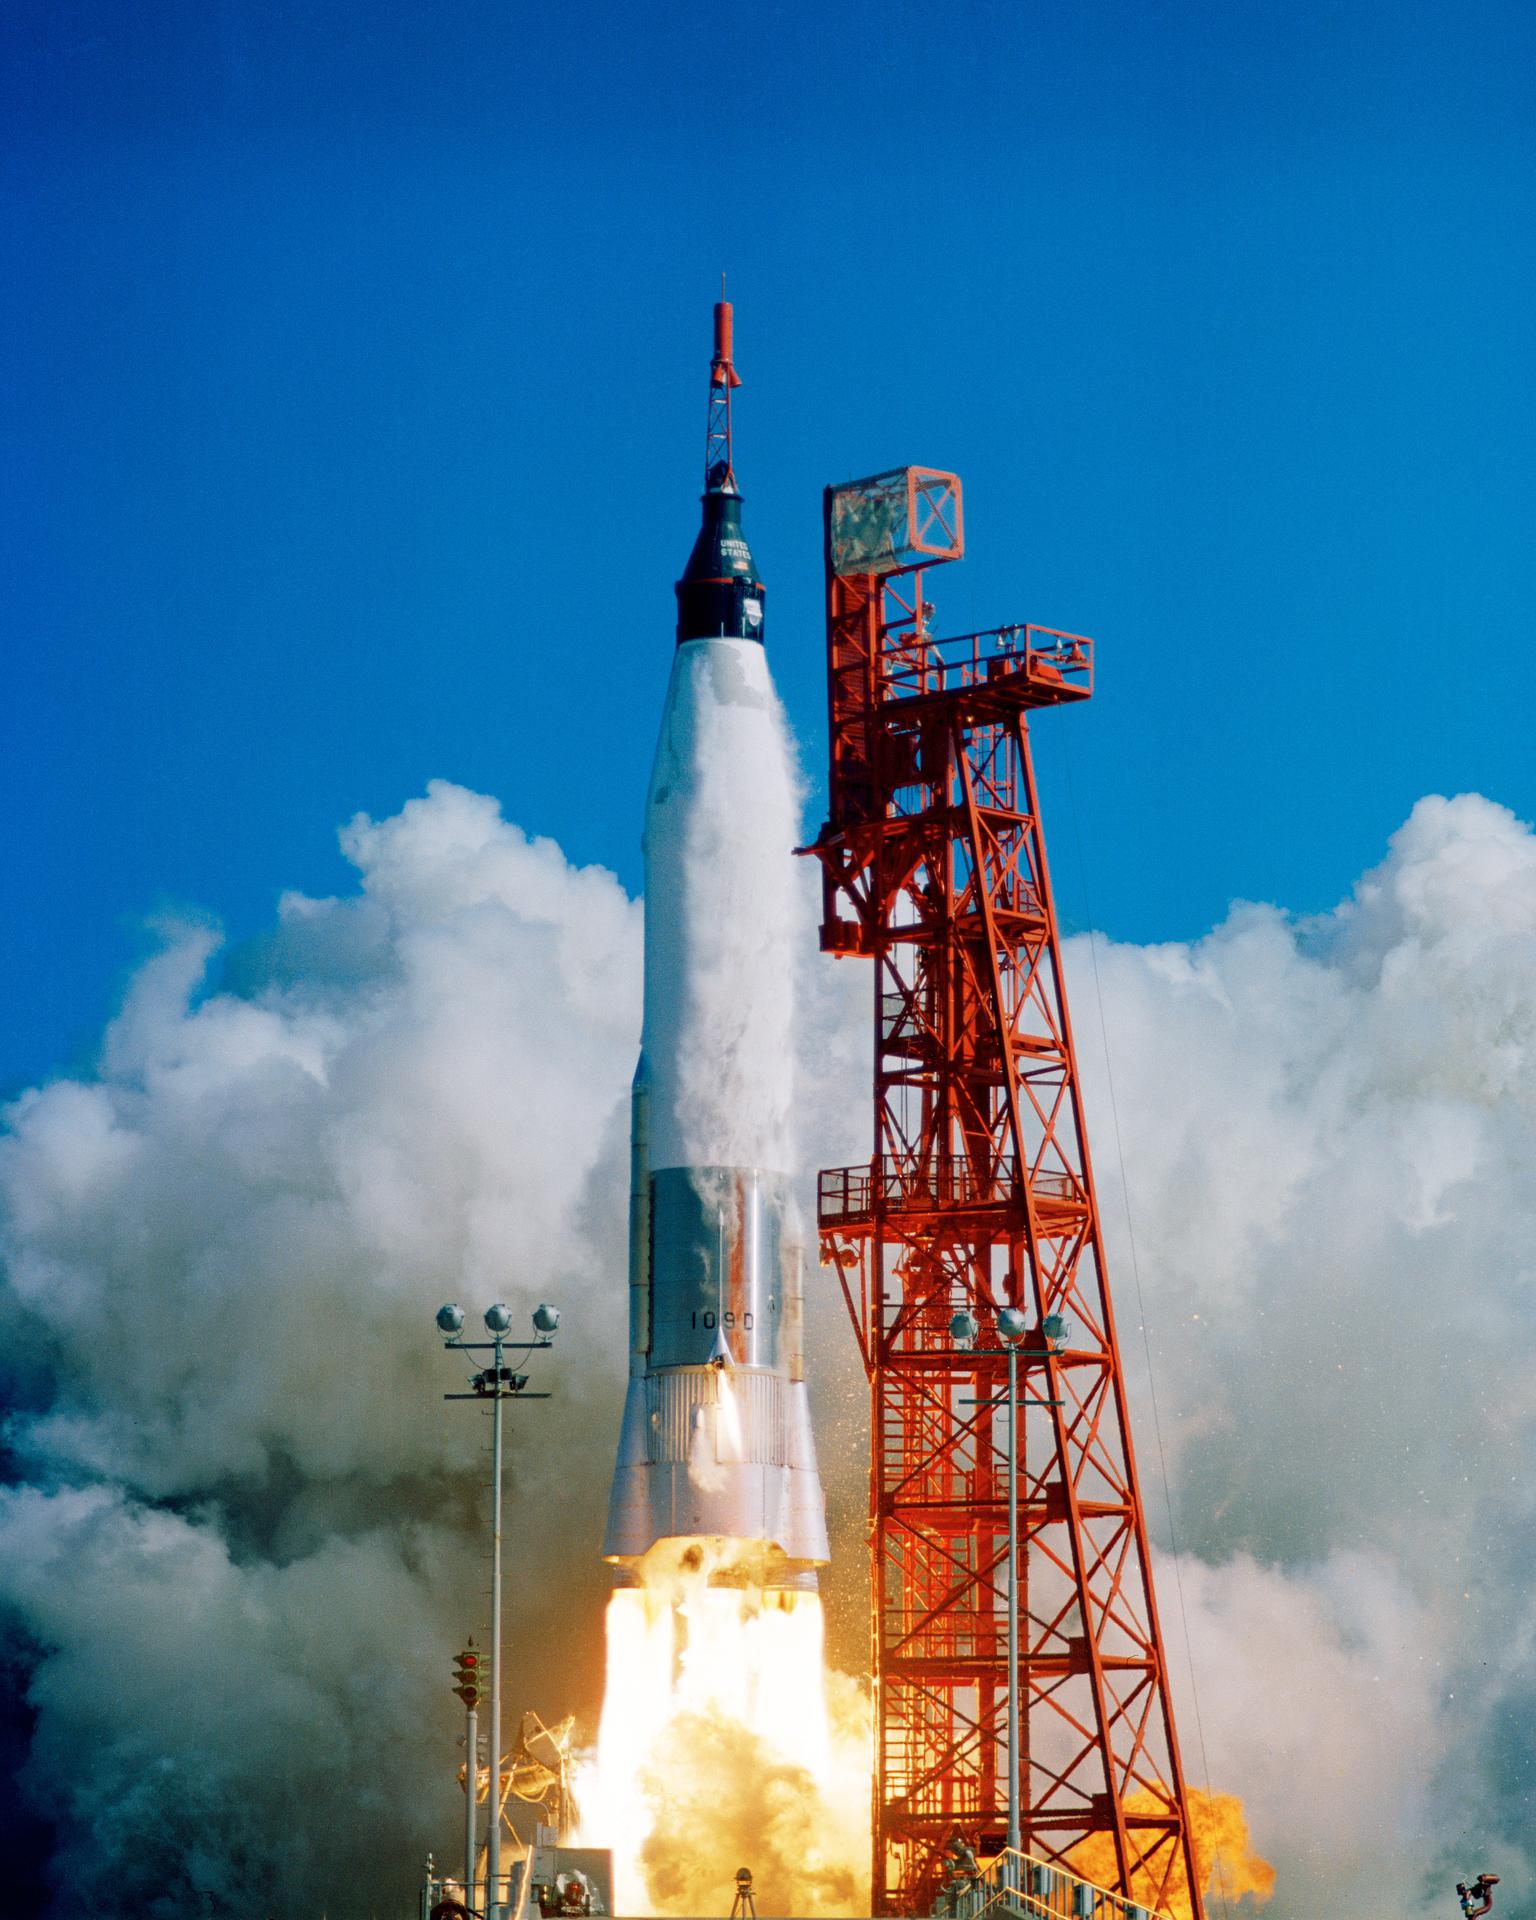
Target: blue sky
(356, 403)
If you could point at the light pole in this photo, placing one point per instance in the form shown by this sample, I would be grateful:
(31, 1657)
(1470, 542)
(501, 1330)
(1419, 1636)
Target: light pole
(495, 1383)
(1011, 1326)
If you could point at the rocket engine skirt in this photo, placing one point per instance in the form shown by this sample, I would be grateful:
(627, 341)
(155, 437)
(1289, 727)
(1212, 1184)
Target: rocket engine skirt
(716, 1440)
(727, 1455)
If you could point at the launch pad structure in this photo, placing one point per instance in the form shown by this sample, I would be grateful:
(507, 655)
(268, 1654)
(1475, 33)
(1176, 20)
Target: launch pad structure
(980, 1196)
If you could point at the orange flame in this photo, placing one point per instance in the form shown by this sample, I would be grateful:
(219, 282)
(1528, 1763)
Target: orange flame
(1224, 1855)
(725, 1739)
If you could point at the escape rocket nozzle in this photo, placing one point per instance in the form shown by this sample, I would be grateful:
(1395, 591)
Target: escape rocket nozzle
(721, 372)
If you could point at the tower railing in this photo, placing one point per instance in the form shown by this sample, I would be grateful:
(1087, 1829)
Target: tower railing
(902, 1184)
(1019, 1884)
(1042, 655)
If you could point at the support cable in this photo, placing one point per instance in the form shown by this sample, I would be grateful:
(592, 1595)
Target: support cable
(1141, 1311)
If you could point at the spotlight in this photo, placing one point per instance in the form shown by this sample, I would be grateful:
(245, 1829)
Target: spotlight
(499, 1317)
(545, 1317)
(1011, 1324)
(450, 1319)
(963, 1328)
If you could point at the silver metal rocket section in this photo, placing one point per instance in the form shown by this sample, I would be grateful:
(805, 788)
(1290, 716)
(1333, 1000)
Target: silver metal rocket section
(716, 1441)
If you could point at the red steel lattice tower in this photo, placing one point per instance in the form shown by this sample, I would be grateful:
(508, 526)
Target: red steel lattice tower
(980, 1195)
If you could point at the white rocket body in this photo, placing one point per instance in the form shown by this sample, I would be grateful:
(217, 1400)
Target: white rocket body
(716, 1444)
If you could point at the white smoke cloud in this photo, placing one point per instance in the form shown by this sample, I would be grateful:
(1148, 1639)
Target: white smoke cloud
(247, 1539)
(250, 1542)
(1318, 1697)
(1329, 1136)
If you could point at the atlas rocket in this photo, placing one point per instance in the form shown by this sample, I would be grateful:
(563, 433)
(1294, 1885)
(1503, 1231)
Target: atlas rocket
(716, 1445)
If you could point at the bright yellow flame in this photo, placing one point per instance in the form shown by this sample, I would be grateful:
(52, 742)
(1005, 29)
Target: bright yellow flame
(1224, 1855)
(725, 1743)
(728, 1418)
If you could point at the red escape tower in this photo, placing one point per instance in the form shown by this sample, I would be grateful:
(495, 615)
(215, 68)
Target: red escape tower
(980, 1196)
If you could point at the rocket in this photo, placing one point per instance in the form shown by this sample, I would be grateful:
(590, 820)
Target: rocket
(716, 1446)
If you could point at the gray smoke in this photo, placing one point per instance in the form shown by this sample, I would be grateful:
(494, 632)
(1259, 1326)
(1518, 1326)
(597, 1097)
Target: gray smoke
(247, 1535)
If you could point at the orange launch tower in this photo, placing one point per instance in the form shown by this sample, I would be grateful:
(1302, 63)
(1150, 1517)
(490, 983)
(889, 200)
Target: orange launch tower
(980, 1198)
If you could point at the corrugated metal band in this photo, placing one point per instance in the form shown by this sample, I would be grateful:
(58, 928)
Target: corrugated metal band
(672, 1399)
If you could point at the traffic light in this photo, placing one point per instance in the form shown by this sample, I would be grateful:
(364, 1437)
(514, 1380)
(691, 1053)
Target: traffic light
(467, 1676)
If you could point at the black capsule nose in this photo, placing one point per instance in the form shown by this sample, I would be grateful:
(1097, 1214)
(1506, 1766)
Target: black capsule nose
(720, 595)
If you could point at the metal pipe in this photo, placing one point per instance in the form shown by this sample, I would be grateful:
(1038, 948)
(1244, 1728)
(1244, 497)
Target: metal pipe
(1014, 1840)
(471, 1786)
(640, 1219)
(493, 1887)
